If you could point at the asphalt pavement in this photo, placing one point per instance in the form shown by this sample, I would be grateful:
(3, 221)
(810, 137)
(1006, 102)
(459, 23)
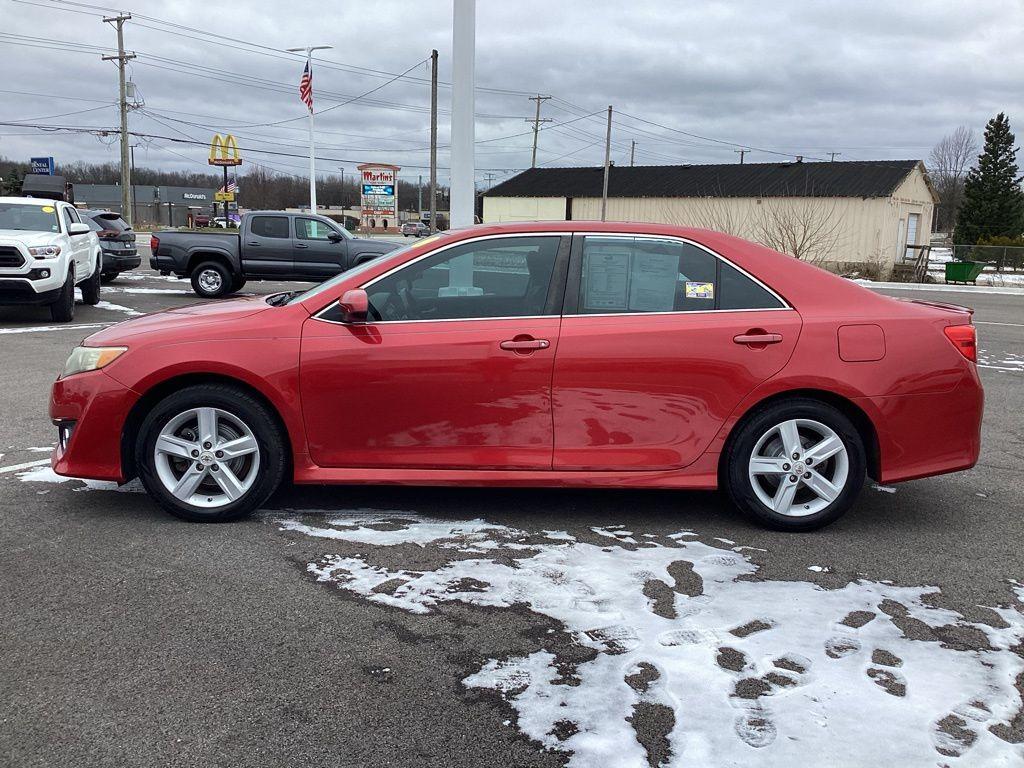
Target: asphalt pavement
(132, 639)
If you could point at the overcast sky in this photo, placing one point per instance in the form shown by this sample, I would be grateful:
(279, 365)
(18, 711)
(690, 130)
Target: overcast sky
(870, 80)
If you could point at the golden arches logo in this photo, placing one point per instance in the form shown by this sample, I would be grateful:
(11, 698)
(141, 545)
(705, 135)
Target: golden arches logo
(227, 148)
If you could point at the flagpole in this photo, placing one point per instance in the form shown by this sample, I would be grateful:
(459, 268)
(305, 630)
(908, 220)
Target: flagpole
(308, 50)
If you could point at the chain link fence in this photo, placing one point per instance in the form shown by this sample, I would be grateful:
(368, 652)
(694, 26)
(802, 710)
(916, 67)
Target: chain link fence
(1004, 258)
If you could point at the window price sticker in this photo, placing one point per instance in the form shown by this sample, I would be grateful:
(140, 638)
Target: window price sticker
(696, 290)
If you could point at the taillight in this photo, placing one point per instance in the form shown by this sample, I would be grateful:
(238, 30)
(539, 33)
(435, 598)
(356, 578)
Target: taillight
(154, 243)
(965, 339)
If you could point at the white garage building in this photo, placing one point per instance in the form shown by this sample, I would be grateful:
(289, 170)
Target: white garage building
(864, 215)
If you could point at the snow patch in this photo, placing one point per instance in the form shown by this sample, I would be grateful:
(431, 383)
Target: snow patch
(816, 668)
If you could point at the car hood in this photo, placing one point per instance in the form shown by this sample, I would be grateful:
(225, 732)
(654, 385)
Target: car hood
(175, 322)
(28, 239)
(366, 245)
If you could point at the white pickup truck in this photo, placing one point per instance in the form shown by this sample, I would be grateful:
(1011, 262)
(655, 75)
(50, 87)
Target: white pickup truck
(46, 250)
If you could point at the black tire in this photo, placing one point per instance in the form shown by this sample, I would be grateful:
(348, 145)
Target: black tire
(237, 402)
(108, 277)
(238, 284)
(91, 286)
(211, 280)
(740, 487)
(63, 309)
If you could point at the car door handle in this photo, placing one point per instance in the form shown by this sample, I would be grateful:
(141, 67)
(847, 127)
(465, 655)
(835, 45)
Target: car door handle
(252, 242)
(758, 337)
(524, 345)
(301, 245)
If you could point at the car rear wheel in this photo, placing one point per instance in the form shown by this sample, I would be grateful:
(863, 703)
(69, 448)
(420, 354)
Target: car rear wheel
(63, 309)
(108, 277)
(795, 465)
(91, 286)
(211, 280)
(210, 453)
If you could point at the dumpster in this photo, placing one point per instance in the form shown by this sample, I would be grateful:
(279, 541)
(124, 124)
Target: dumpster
(963, 271)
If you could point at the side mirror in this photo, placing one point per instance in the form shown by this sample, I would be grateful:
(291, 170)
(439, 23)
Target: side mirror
(335, 237)
(78, 229)
(355, 306)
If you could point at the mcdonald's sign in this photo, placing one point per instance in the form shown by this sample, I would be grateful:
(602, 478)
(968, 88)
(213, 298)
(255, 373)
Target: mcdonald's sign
(227, 150)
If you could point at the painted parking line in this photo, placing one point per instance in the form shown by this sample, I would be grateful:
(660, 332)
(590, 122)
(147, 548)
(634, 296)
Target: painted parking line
(43, 328)
(990, 322)
(26, 465)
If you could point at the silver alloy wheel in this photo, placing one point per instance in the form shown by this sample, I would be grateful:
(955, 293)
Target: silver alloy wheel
(798, 467)
(206, 457)
(210, 280)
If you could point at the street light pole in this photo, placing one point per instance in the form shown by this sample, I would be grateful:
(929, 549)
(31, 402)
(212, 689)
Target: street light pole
(462, 138)
(308, 50)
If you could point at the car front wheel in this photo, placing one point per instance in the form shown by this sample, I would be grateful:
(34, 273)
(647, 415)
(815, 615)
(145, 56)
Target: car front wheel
(210, 453)
(211, 280)
(796, 465)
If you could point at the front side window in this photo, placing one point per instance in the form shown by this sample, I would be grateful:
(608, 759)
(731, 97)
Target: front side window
(502, 277)
(270, 226)
(623, 274)
(311, 229)
(68, 220)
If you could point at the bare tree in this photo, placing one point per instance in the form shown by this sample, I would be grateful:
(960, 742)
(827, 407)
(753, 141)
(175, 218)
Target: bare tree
(717, 213)
(948, 164)
(808, 228)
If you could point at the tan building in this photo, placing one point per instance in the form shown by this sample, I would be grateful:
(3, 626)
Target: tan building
(860, 215)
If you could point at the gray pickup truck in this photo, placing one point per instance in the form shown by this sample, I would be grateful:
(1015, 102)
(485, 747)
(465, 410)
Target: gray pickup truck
(269, 245)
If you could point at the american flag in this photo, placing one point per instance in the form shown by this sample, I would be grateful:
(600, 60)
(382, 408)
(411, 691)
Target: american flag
(232, 186)
(306, 87)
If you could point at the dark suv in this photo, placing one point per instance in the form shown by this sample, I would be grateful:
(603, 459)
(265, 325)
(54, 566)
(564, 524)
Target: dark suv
(117, 241)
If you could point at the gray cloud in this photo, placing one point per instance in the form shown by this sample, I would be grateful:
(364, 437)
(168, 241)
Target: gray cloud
(867, 79)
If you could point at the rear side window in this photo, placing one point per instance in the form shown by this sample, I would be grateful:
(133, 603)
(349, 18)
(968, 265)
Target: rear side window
(737, 291)
(270, 226)
(623, 274)
(631, 275)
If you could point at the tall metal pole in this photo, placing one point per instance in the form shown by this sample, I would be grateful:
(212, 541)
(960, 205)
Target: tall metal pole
(463, 76)
(308, 50)
(607, 164)
(433, 141)
(126, 175)
(536, 125)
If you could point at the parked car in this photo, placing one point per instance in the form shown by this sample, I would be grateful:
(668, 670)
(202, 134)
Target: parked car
(271, 245)
(415, 229)
(220, 221)
(201, 220)
(45, 251)
(117, 240)
(685, 359)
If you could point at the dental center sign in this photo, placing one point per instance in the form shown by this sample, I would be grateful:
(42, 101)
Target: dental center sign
(379, 193)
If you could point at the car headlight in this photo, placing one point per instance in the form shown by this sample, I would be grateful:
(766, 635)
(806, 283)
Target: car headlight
(45, 251)
(84, 359)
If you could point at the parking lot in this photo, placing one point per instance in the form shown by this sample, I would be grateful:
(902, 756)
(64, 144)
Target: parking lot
(363, 626)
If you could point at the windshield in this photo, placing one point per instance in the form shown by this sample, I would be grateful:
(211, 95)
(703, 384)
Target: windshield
(360, 268)
(29, 218)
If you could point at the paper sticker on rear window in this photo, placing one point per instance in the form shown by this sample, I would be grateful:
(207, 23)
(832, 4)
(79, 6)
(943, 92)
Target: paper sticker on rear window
(696, 290)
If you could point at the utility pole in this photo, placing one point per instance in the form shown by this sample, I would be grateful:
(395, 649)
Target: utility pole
(490, 179)
(131, 166)
(433, 141)
(536, 125)
(419, 194)
(607, 164)
(632, 152)
(122, 57)
(742, 153)
(308, 50)
(833, 155)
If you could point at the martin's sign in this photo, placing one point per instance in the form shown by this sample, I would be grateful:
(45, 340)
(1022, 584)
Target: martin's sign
(379, 196)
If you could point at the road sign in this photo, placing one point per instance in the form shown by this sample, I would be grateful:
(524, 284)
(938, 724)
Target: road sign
(224, 197)
(43, 165)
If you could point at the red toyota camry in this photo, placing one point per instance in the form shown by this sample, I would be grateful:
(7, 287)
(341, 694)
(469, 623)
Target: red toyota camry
(541, 354)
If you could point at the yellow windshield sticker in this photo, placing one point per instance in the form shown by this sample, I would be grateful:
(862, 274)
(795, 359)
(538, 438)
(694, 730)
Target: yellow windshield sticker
(48, 209)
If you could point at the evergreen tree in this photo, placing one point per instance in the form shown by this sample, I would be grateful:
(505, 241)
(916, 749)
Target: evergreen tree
(993, 200)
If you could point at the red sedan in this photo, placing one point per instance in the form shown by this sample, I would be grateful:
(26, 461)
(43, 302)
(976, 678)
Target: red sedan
(542, 354)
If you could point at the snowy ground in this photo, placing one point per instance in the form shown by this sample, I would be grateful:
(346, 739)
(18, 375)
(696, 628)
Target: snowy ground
(730, 667)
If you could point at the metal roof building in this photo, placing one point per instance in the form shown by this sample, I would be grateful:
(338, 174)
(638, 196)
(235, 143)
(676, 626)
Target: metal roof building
(864, 215)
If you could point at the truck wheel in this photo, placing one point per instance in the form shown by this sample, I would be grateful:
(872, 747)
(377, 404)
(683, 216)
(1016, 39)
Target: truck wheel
(211, 280)
(91, 286)
(63, 309)
(238, 284)
(108, 277)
